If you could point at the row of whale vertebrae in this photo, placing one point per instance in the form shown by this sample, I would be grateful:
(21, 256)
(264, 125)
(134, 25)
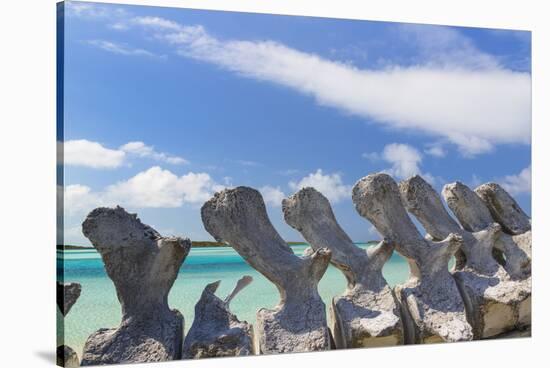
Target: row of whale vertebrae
(480, 298)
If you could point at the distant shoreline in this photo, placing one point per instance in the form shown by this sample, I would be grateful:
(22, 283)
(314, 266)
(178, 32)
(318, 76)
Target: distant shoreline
(194, 244)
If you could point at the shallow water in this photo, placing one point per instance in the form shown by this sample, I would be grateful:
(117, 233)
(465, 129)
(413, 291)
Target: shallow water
(98, 306)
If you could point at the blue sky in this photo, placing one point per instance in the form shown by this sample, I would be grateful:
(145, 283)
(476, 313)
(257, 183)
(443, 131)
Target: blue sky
(164, 106)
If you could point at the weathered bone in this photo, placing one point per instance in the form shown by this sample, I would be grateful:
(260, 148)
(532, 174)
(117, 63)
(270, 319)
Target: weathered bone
(368, 313)
(238, 217)
(492, 299)
(67, 295)
(507, 212)
(504, 209)
(430, 298)
(143, 265)
(473, 215)
(216, 332)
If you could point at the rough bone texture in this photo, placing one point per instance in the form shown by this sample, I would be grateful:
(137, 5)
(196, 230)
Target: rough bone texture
(67, 295)
(430, 298)
(368, 313)
(216, 332)
(493, 299)
(506, 211)
(473, 215)
(298, 324)
(143, 266)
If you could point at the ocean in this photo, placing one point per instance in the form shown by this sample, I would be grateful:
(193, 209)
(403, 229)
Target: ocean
(98, 306)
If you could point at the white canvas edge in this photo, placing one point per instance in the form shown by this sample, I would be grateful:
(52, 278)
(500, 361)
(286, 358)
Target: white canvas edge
(28, 179)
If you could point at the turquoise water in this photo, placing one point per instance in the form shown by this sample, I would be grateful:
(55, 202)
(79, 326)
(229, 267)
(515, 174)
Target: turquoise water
(98, 306)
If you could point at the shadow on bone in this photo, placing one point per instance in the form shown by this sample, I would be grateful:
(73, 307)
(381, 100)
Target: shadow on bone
(216, 332)
(430, 298)
(368, 313)
(493, 300)
(298, 323)
(143, 266)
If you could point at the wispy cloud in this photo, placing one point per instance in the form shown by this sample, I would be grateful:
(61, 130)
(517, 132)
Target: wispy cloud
(435, 150)
(445, 46)
(452, 90)
(288, 172)
(119, 26)
(475, 181)
(475, 103)
(518, 184)
(159, 24)
(140, 149)
(85, 153)
(442, 46)
(121, 49)
(94, 11)
(247, 163)
(371, 156)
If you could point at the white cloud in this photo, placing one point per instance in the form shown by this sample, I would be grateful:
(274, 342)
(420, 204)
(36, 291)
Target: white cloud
(82, 152)
(272, 195)
(443, 46)
(405, 160)
(79, 9)
(246, 163)
(475, 181)
(142, 150)
(93, 11)
(288, 172)
(475, 103)
(518, 184)
(80, 198)
(436, 150)
(119, 26)
(158, 23)
(120, 49)
(73, 236)
(156, 187)
(152, 188)
(330, 185)
(371, 156)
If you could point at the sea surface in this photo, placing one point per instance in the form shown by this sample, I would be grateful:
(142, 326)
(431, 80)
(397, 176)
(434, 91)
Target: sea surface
(98, 306)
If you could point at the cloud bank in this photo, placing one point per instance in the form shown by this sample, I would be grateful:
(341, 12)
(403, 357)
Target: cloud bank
(465, 96)
(152, 188)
